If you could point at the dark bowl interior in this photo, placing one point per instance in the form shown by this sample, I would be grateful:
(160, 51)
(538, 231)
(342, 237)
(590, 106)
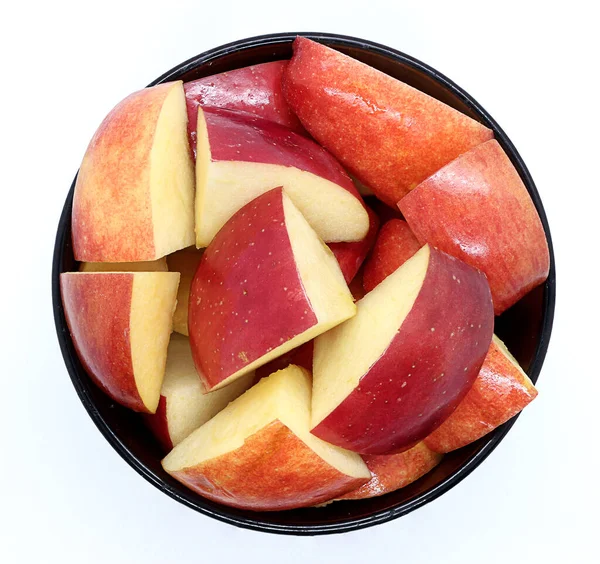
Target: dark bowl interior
(525, 328)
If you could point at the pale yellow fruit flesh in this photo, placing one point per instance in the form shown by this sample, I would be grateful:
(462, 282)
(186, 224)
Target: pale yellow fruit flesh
(152, 305)
(188, 406)
(344, 354)
(284, 396)
(323, 282)
(500, 344)
(172, 181)
(158, 265)
(223, 187)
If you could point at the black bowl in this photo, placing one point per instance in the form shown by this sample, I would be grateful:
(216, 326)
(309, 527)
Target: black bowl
(525, 328)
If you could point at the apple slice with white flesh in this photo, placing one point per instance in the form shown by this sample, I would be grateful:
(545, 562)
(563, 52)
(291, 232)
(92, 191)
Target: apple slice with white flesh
(184, 405)
(120, 325)
(386, 378)
(259, 454)
(240, 156)
(255, 89)
(134, 195)
(265, 285)
(501, 390)
(158, 265)
(185, 262)
(390, 472)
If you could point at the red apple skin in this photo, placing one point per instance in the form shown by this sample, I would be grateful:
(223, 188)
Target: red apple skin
(390, 472)
(395, 244)
(397, 402)
(255, 89)
(262, 141)
(244, 478)
(350, 256)
(300, 356)
(499, 393)
(92, 325)
(386, 133)
(158, 424)
(234, 315)
(477, 209)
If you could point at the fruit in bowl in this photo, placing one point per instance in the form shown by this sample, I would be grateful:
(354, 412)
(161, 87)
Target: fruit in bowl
(354, 357)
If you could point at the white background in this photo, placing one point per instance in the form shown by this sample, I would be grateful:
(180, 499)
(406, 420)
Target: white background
(66, 496)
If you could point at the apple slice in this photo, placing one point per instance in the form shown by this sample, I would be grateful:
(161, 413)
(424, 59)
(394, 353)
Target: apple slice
(389, 376)
(395, 244)
(477, 209)
(134, 196)
(266, 284)
(120, 325)
(500, 391)
(255, 89)
(350, 256)
(183, 405)
(390, 472)
(185, 262)
(241, 156)
(158, 265)
(387, 134)
(258, 452)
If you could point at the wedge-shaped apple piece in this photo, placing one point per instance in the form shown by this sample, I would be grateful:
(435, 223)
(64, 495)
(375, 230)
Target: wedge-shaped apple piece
(183, 405)
(255, 89)
(388, 134)
(134, 196)
(158, 265)
(390, 472)
(241, 156)
(185, 262)
(265, 285)
(120, 325)
(477, 209)
(389, 376)
(395, 244)
(350, 256)
(500, 391)
(258, 452)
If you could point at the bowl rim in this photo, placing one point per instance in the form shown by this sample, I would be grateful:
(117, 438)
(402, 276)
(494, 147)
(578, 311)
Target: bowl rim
(350, 524)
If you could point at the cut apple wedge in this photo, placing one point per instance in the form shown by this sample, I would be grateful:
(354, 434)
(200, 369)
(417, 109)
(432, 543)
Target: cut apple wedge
(184, 405)
(240, 156)
(185, 262)
(477, 209)
(385, 132)
(255, 89)
(386, 378)
(120, 325)
(134, 196)
(390, 472)
(158, 265)
(266, 284)
(395, 244)
(258, 453)
(350, 256)
(500, 391)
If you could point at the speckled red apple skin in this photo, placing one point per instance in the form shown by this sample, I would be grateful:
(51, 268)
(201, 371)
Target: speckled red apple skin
(97, 309)
(499, 393)
(350, 256)
(388, 134)
(390, 472)
(255, 89)
(395, 244)
(236, 136)
(477, 209)
(159, 424)
(426, 370)
(247, 297)
(273, 470)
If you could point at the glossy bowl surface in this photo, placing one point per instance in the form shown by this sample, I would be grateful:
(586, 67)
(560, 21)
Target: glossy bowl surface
(525, 328)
